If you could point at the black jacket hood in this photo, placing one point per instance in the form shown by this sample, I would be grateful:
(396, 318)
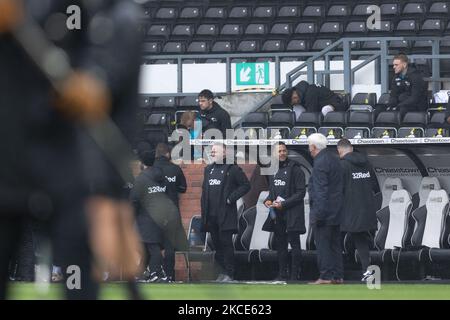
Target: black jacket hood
(356, 159)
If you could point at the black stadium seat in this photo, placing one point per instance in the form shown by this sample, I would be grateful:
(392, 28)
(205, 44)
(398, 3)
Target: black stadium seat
(166, 13)
(254, 124)
(263, 12)
(207, 30)
(239, 12)
(222, 46)
(190, 13)
(306, 124)
(386, 124)
(333, 124)
(413, 125)
(281, 28)
(359, 125)
(337, 11)
(215, 13)
(248, 46)
(288, 11)
(256, 29)
(280, 122)
(437, 126)
(365, 98)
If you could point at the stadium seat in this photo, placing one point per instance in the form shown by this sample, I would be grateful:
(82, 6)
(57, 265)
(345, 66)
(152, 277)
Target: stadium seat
(183, 30)
(361, 10)
(306, 124)
(365, 98)
(389, 9)
(256, 29)
(173, 47)
(296, 45)
(321, 44)
(254, 124)
(207, 30)
(190, 13)
(273, 46)
(386, 125)
(198, 47)
(393, 227)
(151, 47)
(281, 123)
(313, 11)
(406, 25)
(239, 13)
(333, 124)
(385, 26)
(359, 125)
(331, 27)
(248, 46)
(337, 11)
(215, 13)
(288, 12)
(166, 13)
(231, 30)
(432, 25)
(413, 8)
(439, 7)
(356, 26)
(158, 31)
(306, 27)
(383, 100)
(263, 12)
(281, 28)
(165, 102)
(413, 125)
(222, 46)
(437, 126)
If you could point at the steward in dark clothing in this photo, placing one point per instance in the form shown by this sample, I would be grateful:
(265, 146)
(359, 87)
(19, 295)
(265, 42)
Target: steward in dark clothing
(289, 184)
(223, 185)
(326, 201)
(313, 98)
(408, 92)
(157, 218)
(215, 118)
(359, 213)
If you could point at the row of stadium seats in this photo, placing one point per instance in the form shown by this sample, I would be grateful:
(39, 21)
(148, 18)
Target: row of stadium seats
(352, 124)
(226, 10)
(275, 44)
(224, 27)
(413, 231)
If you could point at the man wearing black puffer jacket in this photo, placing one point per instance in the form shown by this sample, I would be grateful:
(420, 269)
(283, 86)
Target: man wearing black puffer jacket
(312, 98)
(287, 220)
(213, 116)
(223, 185)
(408, 89)
(359, 213)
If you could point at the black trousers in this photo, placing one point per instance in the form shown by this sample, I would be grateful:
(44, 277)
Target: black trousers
(223, 244)
(282, 238)
(156, 259)
(362, 241)
(329, 252)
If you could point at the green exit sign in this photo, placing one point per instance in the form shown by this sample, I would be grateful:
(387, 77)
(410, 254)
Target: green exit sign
(252, 74)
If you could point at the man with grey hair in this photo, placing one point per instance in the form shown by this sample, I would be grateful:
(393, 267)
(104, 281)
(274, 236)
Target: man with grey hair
(326, 200)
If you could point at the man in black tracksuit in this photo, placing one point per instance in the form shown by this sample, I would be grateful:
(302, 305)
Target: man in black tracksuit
(326, 201)
(157, 217)
(408, 89)
(213, 116)
(289, 222)
(223, 185)
(359, 213)
(313, 98)
(176, 183)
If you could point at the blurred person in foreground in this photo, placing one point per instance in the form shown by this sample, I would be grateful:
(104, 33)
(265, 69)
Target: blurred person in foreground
(42, 168)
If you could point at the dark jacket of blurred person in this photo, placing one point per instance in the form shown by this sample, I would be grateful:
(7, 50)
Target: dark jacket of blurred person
(41, 164)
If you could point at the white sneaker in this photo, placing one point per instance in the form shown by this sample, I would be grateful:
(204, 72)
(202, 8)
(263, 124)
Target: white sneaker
(367, 275)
